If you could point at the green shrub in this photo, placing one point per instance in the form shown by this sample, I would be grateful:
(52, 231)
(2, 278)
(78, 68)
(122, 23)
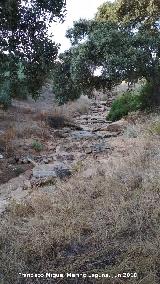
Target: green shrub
(145, 99)
(129, 101)
(37, 146)
(5, 98)
(146, 96)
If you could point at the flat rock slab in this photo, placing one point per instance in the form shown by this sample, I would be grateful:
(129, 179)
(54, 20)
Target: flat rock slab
(51, 170)
(82, 134)
(108, 134)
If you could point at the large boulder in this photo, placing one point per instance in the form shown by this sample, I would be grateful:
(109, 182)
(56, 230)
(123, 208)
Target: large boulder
(51, 170)
(117, 126)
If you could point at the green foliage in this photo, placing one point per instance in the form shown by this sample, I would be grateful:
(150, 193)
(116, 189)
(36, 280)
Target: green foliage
(79, 31)
(124, 104)
(63, 86)
(133, 101)
(5, 98)
(27, 52)
(139, 12)
(146, 96)
(37, 146)
(108, 12)
(110, 43)
(74, 74)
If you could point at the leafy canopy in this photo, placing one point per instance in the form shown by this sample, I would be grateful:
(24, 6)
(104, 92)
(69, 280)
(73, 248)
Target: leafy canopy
(111, 43)
(140, 12)
(25, 46)
(108, 11)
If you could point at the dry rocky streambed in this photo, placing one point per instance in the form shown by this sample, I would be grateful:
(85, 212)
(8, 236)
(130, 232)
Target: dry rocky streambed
(67, 147)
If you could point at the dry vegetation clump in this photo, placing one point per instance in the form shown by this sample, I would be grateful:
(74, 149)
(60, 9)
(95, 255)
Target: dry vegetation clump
(57, 118)
(31, 129)
(63, 116)
(21, 130)
(79, 106)
(18, 125)
(108, 223)
(30, 125)
(154, 125)
(6, 140)
(104, 96)
(140, 124)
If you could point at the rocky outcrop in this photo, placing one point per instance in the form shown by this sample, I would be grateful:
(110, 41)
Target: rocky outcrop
(61, 122)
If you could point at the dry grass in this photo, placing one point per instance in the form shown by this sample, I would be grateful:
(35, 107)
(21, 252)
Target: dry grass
(108, 223)
(80, 106)
(68, 110)
(103, 96)
(6, 139)
(31, 123)
(143, 125)
(63, 116)
(21, 130)
(19, 125)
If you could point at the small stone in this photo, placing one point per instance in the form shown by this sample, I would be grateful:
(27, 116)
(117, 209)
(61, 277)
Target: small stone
(89, 173)
(111, 134)
(65, 156)
(88, 151)
(45, 161)
(27, 185)
(1, 156)
(3, 205)
(17, 159)
(25, 148)
(60, 148)
(12, 161)
(62, 171)
(100, 147)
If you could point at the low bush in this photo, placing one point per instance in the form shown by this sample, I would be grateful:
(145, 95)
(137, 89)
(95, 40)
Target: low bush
(56, 121)
(128, 102)
(131, 131)
(37, 146)
(5, 99)
(146, 96)
(143, 99)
